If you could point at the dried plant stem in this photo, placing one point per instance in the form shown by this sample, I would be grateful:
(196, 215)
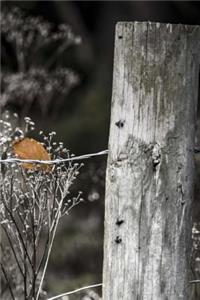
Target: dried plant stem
(50, 248)
(21, 239)
(31, 204)
(8, 282)
(13, 250)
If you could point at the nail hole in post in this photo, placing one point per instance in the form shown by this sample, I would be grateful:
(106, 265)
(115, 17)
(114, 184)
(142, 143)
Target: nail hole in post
(120, 123)
(119, 222)
(118, 240)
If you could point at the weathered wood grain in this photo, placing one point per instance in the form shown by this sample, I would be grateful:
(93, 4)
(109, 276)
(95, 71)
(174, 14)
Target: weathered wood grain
(150, 172)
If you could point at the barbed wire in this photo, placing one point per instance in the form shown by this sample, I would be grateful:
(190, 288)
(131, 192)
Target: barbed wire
(61, 160)
(53, 161)
(75, 291)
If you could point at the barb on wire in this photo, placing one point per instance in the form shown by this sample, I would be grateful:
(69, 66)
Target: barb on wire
(54, 161)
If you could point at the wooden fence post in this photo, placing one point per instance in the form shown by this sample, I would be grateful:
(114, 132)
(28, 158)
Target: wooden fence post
(150, 172)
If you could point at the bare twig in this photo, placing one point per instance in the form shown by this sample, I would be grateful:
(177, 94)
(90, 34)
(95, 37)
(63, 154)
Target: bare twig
(7, 280)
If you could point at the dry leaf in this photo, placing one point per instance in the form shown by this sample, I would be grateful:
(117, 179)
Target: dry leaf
(28, 148)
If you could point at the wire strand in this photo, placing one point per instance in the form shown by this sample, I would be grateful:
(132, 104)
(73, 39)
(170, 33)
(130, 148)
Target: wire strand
(54, 161)
(75, 291)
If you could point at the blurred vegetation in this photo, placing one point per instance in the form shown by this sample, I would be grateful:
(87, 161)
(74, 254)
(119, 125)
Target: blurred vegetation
(81, 120)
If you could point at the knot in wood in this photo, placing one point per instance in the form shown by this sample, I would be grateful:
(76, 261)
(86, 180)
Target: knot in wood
(112, 174)
(156, 154)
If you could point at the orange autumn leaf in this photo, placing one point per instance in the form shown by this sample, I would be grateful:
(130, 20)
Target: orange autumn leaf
(28, 148)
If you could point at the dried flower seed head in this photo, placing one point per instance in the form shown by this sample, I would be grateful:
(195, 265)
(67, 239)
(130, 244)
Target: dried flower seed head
(32, 203)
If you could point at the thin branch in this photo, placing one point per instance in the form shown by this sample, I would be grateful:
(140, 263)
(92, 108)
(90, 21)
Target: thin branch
(13, 250)
(18, 231)
(42, 210)
(54, 196)
(57, 217)
(43, 255)
(34, 253)
(25, 273)
(8, 282)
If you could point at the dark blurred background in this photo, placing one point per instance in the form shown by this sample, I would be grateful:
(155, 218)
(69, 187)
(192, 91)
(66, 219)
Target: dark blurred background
(81, 116)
